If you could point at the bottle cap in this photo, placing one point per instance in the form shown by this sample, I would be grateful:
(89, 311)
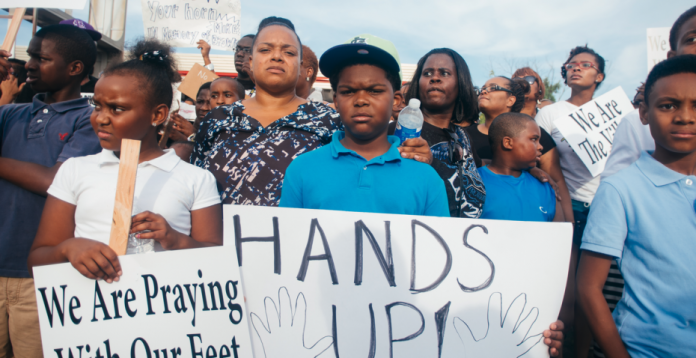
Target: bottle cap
(414, 103)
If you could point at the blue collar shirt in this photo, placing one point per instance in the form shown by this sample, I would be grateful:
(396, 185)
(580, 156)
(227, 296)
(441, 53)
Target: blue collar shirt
(645, 216)
(336, 178)
(44, 134)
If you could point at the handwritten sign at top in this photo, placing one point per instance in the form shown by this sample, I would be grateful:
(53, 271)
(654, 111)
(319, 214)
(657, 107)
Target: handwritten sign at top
(182, 23)
(590, 129)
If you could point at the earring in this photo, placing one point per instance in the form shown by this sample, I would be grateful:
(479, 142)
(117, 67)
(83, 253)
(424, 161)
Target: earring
(154, 124)
(307, 79)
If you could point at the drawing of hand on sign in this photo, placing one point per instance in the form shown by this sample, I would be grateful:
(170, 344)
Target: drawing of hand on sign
(506, 336)
(283, 335)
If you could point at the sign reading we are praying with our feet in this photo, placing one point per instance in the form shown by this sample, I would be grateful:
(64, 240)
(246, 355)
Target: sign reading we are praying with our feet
(590, 128)
(348, 284)
(186, 303)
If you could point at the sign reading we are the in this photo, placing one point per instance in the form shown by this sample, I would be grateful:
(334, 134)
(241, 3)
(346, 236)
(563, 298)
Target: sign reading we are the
(175, 304)
(183, 22)
(590, 129)
(347, 284)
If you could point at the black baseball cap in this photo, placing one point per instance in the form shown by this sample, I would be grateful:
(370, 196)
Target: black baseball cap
(338, 57)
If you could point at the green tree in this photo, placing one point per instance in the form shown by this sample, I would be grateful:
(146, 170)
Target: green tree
(552, 88)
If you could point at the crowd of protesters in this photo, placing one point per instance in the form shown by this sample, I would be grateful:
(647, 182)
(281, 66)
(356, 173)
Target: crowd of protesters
(263, 138)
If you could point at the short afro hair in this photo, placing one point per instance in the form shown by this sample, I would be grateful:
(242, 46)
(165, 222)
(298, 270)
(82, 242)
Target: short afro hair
(669, 67)
(509, 124)
(72, 44)
(584, 49)
(674, 31)
(392, 77)
(203, 87)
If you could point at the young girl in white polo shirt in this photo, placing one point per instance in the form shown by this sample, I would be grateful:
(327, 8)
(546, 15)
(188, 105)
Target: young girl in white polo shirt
(176, 204)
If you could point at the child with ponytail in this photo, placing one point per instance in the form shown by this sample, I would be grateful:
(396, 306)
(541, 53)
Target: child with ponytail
(176, 204)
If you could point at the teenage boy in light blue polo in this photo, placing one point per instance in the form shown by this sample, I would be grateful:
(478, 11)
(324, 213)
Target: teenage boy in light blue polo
(361, 169)
(645, 216)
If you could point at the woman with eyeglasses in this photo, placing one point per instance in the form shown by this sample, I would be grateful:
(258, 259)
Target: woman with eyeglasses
(442, 83)
(583, 72)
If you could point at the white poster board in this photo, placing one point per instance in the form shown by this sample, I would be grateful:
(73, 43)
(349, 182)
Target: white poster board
(658, 45)
(590, 129)
(386, 301)
(175, 304)
(51, 4)
(182, 23)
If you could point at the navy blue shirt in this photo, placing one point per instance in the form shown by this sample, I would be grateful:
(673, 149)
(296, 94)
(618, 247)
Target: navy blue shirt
(521, 199)
(43, 134)
(335, 178)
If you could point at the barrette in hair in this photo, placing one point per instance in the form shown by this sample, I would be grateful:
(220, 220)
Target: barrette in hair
(155, 56)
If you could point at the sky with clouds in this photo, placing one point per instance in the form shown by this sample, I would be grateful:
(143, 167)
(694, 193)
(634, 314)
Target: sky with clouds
(494, 36)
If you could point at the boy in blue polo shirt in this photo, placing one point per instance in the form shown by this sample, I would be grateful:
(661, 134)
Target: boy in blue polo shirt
(512, 193)
(35, 139)
(645, 217)
(361, 169)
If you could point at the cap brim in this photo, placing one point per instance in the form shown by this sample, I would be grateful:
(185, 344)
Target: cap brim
(339, 56)
(95, 35)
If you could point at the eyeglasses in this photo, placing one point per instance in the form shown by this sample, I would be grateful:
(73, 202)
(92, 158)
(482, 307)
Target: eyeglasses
(529, 79)
(246, 50)
(491, 88)
(584, 65)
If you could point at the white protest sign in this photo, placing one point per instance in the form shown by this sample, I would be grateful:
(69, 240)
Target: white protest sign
(51, 4)
(377, 285)
(658, 45)
(590, 129)
(175, 304)
(183, 22)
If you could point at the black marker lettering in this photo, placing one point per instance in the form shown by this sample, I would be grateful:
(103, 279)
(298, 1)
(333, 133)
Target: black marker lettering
(448, 261)
(387, 263)
(275, 239)
(409, 337)
(326, 256)
(466, 244)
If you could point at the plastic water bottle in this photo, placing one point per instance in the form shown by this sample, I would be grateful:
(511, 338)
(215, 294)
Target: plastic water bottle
(410, 121)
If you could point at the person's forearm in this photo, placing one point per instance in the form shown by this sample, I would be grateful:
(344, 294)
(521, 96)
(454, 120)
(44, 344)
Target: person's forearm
(187, 242)
(46, 255)
(206, 60)
(601, 322)
(30, 176)
(566, 201)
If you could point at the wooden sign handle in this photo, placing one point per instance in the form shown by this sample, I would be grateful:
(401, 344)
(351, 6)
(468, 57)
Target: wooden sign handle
(17, 18)
(125, 188)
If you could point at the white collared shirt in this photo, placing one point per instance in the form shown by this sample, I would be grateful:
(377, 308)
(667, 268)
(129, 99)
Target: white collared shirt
(165, 185)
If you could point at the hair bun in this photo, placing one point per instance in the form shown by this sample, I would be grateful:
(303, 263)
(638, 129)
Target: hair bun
(153, 56)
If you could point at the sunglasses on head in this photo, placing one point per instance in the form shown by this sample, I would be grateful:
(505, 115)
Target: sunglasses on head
(529, 79)
(491, 88)
(584, 65)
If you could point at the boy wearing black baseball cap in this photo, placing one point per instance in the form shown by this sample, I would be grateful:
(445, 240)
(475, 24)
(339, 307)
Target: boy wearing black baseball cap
(362, 169)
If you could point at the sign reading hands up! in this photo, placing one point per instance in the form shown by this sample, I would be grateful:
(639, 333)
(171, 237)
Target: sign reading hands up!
(590, 129)
(321, 283)
(183, 22)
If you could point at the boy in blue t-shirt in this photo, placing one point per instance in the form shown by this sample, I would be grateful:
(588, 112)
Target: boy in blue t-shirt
(512, 193)
(645, 217)
(362, 169)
